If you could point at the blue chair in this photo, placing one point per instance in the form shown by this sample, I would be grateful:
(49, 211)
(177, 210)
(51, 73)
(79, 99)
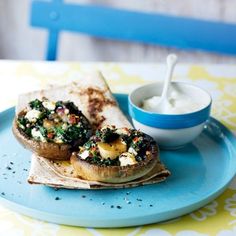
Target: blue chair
(117, 24)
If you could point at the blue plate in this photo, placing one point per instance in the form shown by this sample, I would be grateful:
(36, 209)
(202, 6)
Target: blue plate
(200, 172)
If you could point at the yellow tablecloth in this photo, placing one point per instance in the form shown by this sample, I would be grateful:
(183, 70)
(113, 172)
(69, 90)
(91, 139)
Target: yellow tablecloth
(217, 218)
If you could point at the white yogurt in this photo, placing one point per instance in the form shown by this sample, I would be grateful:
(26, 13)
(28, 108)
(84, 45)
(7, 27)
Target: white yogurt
(178, 103)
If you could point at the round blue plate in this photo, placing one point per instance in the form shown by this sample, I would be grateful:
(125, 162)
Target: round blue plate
(200, 172)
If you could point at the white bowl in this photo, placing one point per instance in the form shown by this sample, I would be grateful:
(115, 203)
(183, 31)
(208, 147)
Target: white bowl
(170, 131)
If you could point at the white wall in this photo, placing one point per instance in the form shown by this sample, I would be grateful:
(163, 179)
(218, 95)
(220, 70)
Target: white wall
(19, 41)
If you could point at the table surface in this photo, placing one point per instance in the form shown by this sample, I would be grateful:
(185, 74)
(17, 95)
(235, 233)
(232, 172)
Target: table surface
(217, 218)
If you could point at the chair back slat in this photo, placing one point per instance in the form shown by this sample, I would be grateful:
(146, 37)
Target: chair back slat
(118, 24)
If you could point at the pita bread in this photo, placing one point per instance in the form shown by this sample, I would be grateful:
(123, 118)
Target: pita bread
(59, 174)
(94, 98)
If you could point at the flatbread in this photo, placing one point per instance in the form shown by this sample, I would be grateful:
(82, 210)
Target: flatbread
(94, 98)
(59, 174)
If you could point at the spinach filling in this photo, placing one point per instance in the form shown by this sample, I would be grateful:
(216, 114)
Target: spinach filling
(36, 104)
(96, 160)
(65, 123)
(106, 135)
(134, 139)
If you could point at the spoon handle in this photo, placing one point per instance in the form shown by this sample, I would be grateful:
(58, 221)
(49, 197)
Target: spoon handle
(171, 61)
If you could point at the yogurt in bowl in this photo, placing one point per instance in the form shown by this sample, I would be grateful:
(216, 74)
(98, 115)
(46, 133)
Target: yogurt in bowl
(179, 102)
(179, 122)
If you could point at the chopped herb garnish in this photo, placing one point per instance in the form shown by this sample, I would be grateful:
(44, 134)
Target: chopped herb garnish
(36, 104)
(89, 144)
(72, 108)
(59, 104)
(107, 135)
(43, 131)
(22, 121)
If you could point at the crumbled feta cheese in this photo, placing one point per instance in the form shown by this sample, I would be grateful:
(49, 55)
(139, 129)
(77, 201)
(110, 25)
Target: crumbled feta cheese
(124, 131)
(21, 126)
(84, 154)
(64, 126)
(66, 111)
(49, 105)
(112, 127)
(33, 115)
(58, 140)
(37, 135)
(132, 150)
(127, 158)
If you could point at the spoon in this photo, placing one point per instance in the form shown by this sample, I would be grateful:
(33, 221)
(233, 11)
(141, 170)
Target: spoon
(171, 61)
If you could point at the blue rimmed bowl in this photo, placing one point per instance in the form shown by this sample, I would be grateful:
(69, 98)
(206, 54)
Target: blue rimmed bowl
(170, 130)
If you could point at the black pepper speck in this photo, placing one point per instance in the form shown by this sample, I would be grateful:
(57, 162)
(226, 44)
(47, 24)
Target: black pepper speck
(118, 207)
(112, 206)
(83, 196)
(57, 198)
(139, 199)
(8, 168)
(2, 193)
(11, 163)
(151, 205)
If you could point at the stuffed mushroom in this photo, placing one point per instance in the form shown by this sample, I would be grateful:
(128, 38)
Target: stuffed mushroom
(115, 155)
(51, 129)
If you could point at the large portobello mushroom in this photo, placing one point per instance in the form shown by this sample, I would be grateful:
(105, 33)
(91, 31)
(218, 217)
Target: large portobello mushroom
(115, 156)
(51, 129)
